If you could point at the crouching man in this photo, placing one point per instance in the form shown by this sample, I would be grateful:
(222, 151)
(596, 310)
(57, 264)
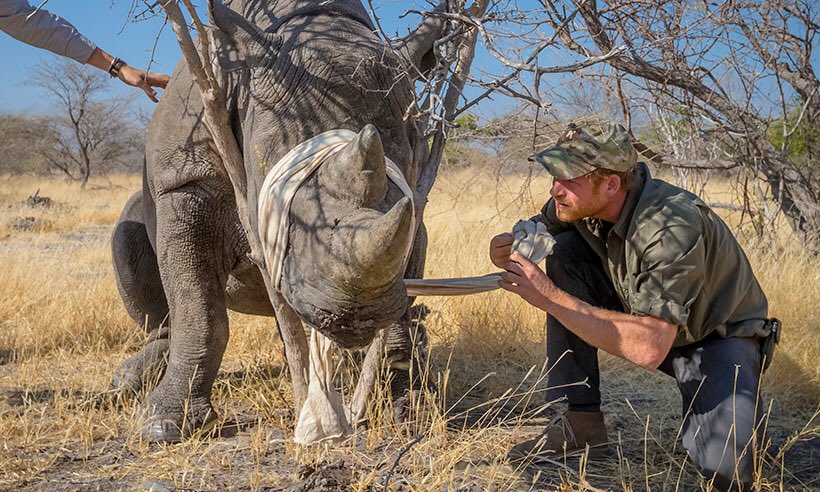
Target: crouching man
(648, 272)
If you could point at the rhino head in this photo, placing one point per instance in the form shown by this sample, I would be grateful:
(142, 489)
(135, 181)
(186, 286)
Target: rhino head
(350, 227)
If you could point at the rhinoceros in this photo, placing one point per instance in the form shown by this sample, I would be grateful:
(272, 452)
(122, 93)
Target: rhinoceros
(292, 69)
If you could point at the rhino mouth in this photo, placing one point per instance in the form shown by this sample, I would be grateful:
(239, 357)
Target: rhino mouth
(351, 322)
(354, 287)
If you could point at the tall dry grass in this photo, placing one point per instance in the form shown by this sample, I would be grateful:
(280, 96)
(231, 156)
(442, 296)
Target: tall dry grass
(63, 331)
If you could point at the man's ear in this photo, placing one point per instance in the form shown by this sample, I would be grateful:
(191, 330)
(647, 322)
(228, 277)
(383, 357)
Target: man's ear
(613, 185)
(252, 43)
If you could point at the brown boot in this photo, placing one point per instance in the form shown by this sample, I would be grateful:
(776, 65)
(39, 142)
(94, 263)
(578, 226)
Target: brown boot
(569, 433)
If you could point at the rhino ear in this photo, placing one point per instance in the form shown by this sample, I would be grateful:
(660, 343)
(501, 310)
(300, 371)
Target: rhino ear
(253, 44)
(417, 47)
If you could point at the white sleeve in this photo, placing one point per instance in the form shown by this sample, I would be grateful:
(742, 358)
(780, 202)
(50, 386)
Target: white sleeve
(44, 30)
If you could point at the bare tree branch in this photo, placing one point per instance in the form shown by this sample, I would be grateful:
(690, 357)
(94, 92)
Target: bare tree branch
(216, 114)
(464, 60)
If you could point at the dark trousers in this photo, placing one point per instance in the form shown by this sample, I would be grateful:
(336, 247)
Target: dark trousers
(717, 377)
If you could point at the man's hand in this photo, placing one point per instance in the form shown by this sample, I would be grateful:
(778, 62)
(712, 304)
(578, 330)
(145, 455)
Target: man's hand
(130, 75)
(526, 279)
(500, 247)
(144, 80)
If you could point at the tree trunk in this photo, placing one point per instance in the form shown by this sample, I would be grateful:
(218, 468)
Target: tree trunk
(86, 175)
(794, 195)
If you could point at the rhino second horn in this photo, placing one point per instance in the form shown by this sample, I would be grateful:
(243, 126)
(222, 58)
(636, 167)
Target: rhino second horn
(376, 254)
(361, 163)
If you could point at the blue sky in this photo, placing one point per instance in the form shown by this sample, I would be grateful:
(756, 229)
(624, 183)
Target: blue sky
(108, 25)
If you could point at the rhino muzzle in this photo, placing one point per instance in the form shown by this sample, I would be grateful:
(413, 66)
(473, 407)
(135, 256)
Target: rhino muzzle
(351, 285)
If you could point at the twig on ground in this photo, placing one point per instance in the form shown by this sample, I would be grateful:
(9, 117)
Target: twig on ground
(398, 458)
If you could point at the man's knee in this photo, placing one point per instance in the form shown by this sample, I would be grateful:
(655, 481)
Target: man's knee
(572, 262)
(721, 427)
(571, 248)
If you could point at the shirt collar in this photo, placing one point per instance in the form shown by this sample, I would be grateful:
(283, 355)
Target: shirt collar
(642, 177)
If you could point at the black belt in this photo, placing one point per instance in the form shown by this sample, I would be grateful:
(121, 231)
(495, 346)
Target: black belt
(768, 342)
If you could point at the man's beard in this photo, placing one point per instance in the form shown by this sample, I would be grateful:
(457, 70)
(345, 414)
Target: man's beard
(574, 213)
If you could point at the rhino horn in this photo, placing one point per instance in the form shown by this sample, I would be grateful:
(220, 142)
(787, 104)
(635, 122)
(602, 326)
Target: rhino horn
(361, 164)
(377, 248)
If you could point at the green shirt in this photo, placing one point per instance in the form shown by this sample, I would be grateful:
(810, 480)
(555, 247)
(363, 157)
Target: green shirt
(671, 257)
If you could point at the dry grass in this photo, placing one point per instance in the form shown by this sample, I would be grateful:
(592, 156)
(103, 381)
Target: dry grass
(63, 331)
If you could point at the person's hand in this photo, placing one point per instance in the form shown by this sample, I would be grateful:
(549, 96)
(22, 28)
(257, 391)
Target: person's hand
(500, 247)
(526, 279)
(144, 80)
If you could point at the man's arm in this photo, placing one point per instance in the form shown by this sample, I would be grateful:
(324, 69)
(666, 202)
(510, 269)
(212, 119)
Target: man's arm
(643, 340)
(130, 75)
(43, 29)
(500, 247)
(501, 244)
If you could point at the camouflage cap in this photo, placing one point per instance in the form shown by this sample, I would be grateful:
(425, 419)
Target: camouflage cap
(583, 149)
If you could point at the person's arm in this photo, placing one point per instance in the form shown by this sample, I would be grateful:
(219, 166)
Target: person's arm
(45, 30)
(643, 340)
(130, 75)
(500, 247)
(42, 29)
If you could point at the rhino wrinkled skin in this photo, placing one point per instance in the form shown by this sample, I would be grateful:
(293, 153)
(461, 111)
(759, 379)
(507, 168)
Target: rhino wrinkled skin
(293, 69)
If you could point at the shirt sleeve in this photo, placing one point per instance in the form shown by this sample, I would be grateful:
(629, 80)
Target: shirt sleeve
(671, 274)
(43, 29)
(549, 219)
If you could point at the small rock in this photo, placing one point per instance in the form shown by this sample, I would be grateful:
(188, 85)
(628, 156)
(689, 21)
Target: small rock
(152, 485)
(23, 223)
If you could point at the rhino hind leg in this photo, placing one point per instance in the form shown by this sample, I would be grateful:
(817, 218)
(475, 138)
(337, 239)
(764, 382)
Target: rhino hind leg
(406, 352)
(143, 370)
(140, 287)
(136, 269)
(196, 247)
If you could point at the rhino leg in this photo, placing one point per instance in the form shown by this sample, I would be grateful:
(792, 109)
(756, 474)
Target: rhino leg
(406, 344)
(135, 267)
(197, 238)
(406, 351)
(140, 287)
(145, 368)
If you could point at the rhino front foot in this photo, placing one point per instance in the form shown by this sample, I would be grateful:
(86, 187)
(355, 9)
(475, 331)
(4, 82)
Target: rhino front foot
(401, 387)
(162, 423)
(406, 352)
(143, 369)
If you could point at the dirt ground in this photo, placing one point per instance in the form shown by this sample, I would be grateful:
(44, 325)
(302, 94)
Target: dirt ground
(251, 450)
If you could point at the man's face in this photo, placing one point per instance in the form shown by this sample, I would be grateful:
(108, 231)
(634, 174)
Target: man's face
(578, 198)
